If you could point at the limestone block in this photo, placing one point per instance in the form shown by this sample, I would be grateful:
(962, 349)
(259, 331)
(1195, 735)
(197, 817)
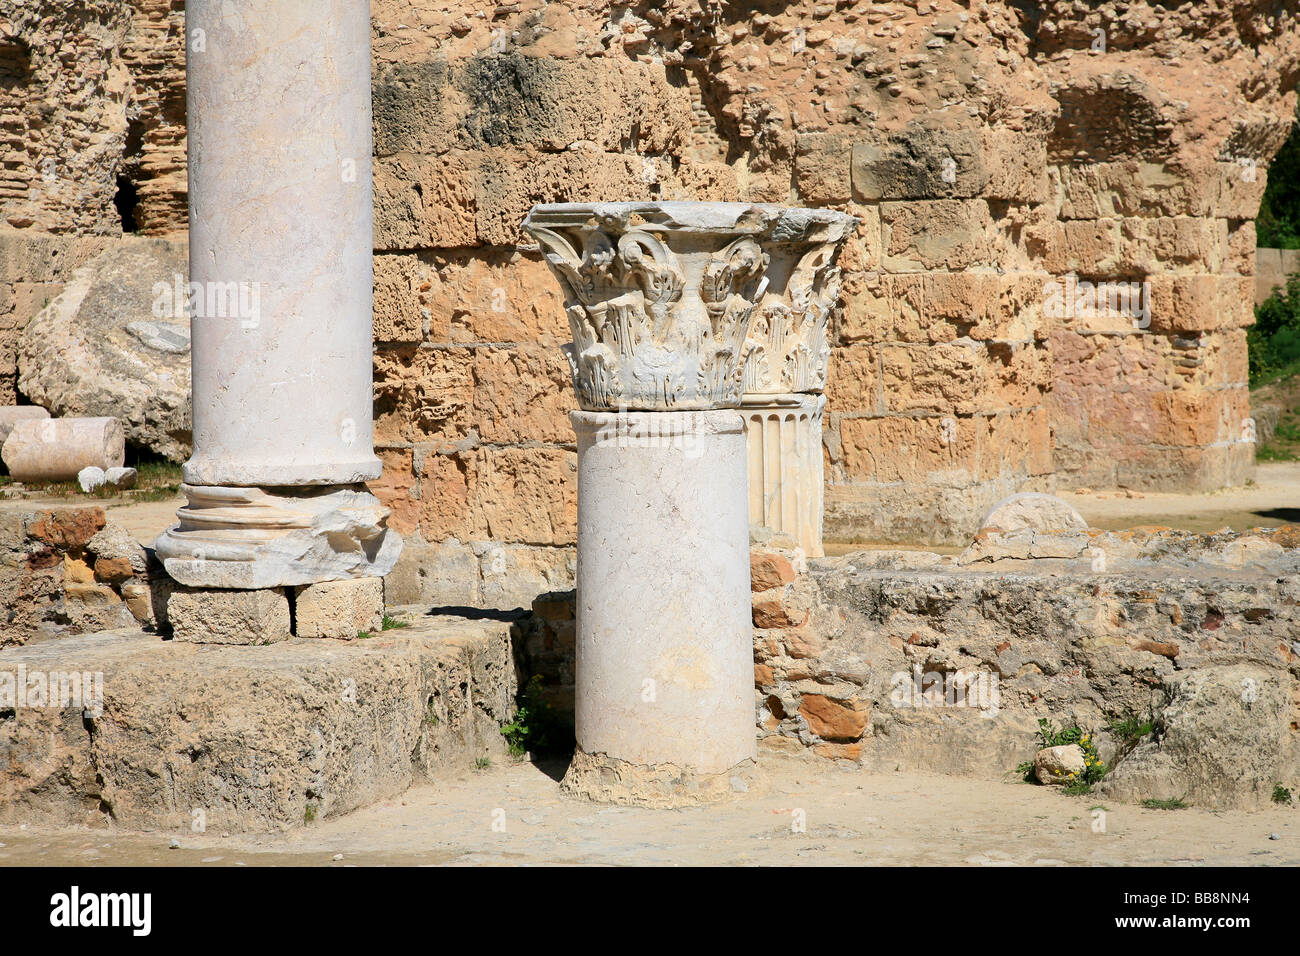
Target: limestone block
(1058, 764)
(12, 414)
(229, 617)
(114, 544)
(111, 344)
(261, 739)
(56, 449)
(1224, 742)
(921, 162)
(1034, 510)
(339, 609)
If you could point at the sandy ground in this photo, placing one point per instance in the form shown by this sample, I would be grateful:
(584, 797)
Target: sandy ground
(1272, 500)
(851, 817)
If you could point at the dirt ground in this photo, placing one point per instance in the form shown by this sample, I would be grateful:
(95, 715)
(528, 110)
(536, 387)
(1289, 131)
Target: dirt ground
(1273, 499)
(850, 817)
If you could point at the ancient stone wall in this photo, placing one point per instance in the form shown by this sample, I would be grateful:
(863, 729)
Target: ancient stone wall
(994, 152)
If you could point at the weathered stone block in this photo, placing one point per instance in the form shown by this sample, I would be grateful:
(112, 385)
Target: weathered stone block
(853, 379)
(920, 162)
(226, 731)
(941, 234)
(229, 617)
(339, 609)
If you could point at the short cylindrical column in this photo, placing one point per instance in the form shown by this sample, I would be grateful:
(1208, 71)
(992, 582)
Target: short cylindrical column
(784, 438)
(279, 297)
(55, 449)
(665, 667)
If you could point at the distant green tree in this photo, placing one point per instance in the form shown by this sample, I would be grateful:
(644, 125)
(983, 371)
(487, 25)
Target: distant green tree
(1278, 224)
(1274, 340)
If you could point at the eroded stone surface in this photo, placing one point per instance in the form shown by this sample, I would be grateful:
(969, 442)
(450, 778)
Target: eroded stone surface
(1033, 510)
(205, 616)
(112, 345)
(607, 779)
(235, 537)
(254, 738)
(339, 609)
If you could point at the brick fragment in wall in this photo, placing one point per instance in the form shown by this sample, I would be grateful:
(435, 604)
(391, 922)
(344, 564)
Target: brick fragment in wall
(497, 394)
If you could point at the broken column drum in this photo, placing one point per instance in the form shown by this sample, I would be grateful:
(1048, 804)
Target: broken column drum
(659, 298)
(280, 299)
(784, 371)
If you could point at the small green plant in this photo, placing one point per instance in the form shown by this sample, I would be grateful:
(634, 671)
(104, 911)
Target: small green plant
(536, 727)
(1281, 794)
(1080, 782)
(482, 763)
(431, 715)
(390, 623)
(363, 635)
(309, 814)
(1130, 728)
(1173, 803)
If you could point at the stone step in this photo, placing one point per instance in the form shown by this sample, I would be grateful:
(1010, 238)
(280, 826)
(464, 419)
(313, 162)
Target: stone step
(248, 739)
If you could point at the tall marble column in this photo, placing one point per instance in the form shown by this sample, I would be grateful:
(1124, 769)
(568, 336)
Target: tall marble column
(280, 299)
(659, 298)
(786, 356)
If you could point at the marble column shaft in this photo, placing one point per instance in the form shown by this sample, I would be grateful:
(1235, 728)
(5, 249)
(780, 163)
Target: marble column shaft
(279, 143)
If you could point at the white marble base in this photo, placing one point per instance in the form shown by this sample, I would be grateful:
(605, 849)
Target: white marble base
(665, 671)
(786, 472)
(267, 538)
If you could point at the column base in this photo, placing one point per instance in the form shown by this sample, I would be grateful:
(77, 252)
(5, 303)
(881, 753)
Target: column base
(783, 435)
(252, 538)
(662, 786)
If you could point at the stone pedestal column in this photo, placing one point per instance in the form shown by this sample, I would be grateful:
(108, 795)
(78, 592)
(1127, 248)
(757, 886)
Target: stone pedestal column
(665, 662)
(660, 297)
(279, 299)
(787, 353)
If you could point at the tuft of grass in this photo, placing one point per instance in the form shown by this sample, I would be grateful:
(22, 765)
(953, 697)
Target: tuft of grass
(309, 814)
(1130, 728)
(391, 623)
(482, 763)
(1281, 794)
(1173, 803)
(156, 493)
(363, 635)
